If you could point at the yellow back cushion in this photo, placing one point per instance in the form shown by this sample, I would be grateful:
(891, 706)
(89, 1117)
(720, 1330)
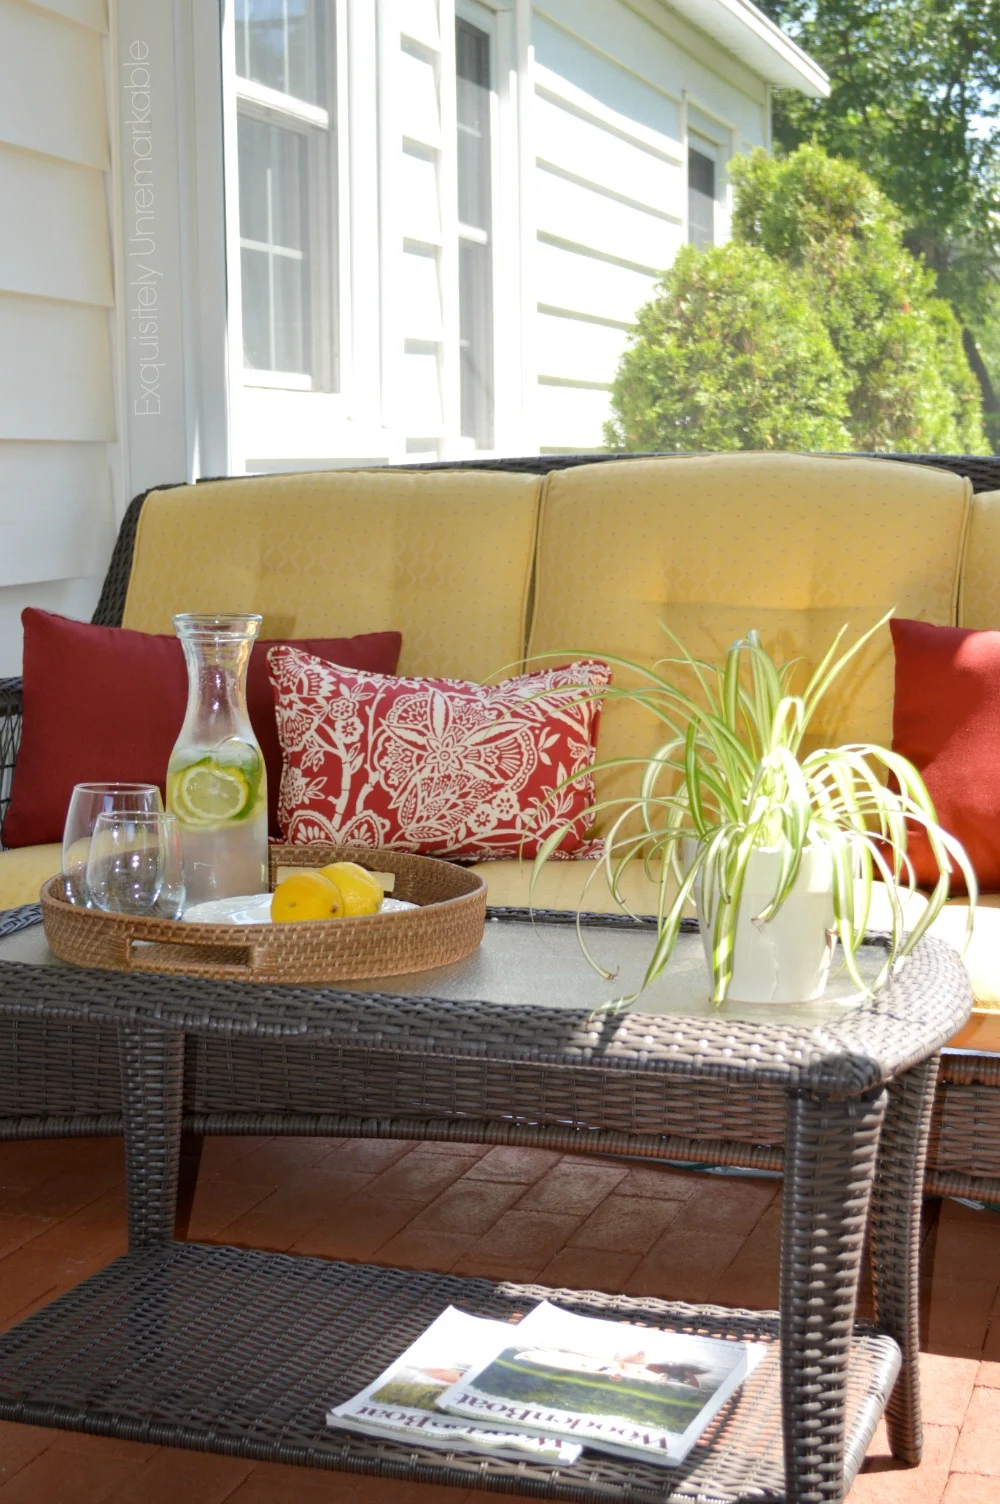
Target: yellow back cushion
(444, 557)
(979, 596)
(711, 546)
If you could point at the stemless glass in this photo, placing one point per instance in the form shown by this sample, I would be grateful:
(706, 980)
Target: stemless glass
(87, 801)
(135, 864)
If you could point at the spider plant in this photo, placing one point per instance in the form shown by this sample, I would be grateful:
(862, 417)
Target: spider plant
(731, 777)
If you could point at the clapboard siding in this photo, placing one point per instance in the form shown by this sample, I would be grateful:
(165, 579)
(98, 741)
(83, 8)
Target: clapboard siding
(56, 239)
(57, 412)
(57, 520)
(52, 86)
(568, 280)
(652, 112)
(652, 51)
(616, 87)
(55, 371)
(75, 598)
(571, 417)
(577, 350)
(92, 13)
(585, 216)
(591, 152)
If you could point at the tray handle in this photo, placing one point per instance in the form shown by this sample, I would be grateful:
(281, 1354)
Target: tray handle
(225, 960)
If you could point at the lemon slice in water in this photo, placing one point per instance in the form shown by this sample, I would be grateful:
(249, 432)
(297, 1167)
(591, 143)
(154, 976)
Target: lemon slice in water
(208, 793)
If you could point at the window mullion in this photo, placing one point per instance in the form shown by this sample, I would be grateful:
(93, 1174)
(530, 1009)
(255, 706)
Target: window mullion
(287, 242)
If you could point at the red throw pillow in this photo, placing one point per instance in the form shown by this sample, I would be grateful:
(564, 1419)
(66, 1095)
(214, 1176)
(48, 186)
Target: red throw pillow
(946, 720)
(104, 703)
(434, 766)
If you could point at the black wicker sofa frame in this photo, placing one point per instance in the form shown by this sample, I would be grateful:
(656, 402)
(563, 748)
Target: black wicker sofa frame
(61, 1078)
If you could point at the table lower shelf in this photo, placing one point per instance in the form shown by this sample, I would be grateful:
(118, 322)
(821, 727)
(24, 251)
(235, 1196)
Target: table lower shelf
(235, 1351)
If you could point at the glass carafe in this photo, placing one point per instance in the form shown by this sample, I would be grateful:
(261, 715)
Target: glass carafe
(216, 782)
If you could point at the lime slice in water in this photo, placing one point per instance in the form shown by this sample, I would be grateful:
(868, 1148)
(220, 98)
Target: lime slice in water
(208, 793)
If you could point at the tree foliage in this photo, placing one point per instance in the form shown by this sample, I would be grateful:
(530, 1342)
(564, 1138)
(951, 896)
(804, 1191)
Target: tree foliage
(901, 346)
(729, 355)
(814, 328)
(915, 100)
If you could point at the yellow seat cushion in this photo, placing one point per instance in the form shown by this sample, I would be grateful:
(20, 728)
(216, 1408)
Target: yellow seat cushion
(566, 885)
(979, 593)
(22, 873)
(444, 557)
(794, 545)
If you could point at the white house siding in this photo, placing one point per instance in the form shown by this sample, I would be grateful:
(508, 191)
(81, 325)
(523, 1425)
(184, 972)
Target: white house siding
(619, 89)
(56, 287)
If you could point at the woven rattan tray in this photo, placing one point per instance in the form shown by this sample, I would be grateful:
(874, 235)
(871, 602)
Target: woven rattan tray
(446, 926)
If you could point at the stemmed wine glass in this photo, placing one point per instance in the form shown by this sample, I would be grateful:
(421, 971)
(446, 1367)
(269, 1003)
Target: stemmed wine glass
(89, 800)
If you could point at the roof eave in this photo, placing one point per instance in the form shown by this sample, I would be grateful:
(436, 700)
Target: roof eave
(757, 42)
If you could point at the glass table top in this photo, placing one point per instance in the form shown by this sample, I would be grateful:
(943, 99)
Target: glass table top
(542, 963)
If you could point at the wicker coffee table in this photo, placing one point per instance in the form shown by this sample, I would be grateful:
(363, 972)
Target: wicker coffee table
(243, 1352)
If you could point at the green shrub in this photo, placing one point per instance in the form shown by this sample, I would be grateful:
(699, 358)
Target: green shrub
(910, 382)
(814, 328)
(729, 355)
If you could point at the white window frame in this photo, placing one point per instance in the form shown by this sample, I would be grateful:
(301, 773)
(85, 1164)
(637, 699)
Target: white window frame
(313, 125)
(280, 421)
(317, 124)
(215, 420)
(706, 147)
(726, 142)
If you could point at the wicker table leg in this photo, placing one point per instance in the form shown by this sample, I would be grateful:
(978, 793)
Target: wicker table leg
(830, 1155)
(895, 1243)
(152, 1071)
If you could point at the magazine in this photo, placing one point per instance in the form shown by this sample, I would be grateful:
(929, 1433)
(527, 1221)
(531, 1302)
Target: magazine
(401, 1403)
(632, 1391)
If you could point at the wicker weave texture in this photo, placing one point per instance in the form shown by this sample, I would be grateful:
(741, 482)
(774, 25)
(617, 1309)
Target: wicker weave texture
(909, 1020)
(63, 1076)
(832, 1079)
(242, 1353)
(966, 1130)
(446, 926)
(830, 1158)
(10, 739)
(895, 1244)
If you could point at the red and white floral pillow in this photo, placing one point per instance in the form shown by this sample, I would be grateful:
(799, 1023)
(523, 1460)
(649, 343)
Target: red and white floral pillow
(434, 766)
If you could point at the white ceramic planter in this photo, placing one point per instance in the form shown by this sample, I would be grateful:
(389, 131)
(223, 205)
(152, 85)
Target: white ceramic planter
(786, 959)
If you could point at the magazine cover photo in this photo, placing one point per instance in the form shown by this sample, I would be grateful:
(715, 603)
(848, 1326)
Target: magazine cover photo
(630, 1385)
(606, 1383)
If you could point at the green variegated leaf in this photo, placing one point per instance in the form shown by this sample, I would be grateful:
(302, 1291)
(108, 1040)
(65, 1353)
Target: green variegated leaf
(729, 775)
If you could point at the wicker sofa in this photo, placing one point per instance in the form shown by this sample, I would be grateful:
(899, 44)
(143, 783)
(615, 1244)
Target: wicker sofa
(482, 566)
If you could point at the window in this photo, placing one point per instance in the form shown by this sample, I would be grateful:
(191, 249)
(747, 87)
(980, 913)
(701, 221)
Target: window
(701, 198)
(475, 231)
(285, 161)
(278, 45)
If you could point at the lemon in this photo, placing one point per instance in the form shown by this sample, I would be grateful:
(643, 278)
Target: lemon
(362, 893)
(306, 895)
(207, 792)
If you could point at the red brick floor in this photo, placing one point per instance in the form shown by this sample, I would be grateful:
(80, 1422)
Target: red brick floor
(519, 1213)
